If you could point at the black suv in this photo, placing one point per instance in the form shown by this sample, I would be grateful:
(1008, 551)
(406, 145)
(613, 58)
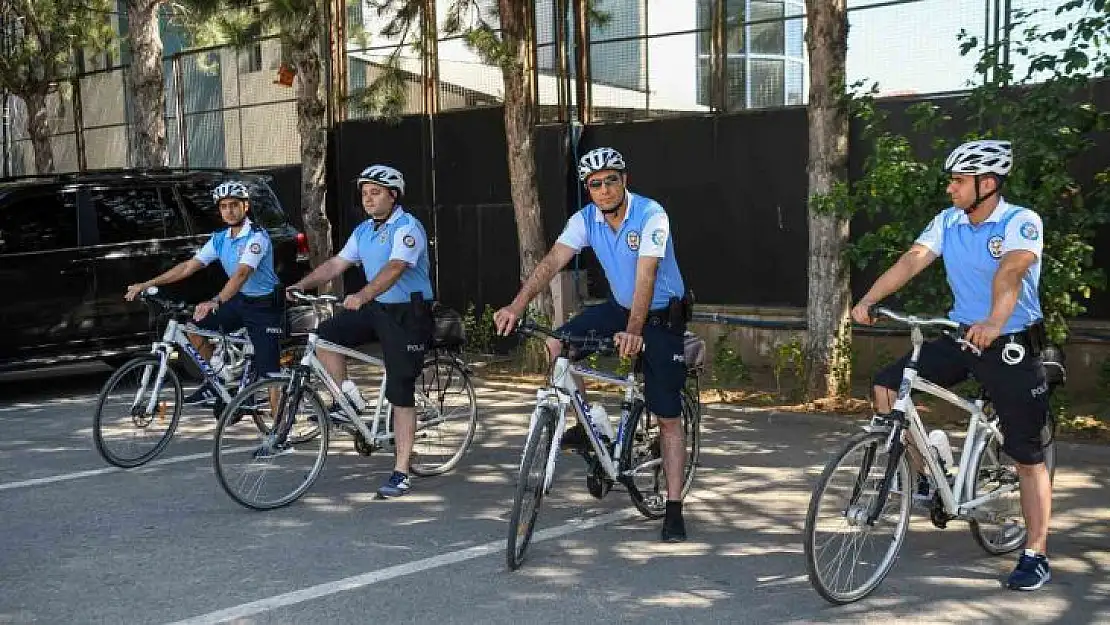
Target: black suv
(71, 243)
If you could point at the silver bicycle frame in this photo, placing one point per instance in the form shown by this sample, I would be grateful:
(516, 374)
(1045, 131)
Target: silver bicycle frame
(978, 430)
(562, 391)
(382, 410)
(176, 336)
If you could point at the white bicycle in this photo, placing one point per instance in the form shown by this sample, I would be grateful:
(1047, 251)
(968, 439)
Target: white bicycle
(138, 410)
(860, 508)
(270, 468)
(631, 456)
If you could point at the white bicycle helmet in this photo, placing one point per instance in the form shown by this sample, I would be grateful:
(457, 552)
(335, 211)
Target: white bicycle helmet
(231, 189)
(985, 156)
(383, 175)
(599, 159)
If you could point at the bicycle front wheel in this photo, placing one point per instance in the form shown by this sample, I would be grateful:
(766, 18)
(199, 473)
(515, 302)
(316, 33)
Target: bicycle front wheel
(266, 468)
(998, 526)
(137, 412)
(846, 556)
(446, 417)
(530, 487)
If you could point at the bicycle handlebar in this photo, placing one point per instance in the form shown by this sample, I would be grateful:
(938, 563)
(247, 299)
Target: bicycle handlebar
(601, 344)
(915, 321)
(150, 297)
(312, 299)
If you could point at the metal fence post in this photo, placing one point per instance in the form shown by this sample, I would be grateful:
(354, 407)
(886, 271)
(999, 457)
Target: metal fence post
(179, 100)
(78, 125)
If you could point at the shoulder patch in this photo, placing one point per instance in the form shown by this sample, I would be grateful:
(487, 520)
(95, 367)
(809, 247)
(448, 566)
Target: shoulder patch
(256, 248)
(1029, 231)
(409, 240)
(659, 236)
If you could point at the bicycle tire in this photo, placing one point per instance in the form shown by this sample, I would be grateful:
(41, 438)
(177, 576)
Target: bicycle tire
(435, 391)
(528, 489)
(140, 421)
(988, 467)
(855, 513)
(265, 449)
(640, 447)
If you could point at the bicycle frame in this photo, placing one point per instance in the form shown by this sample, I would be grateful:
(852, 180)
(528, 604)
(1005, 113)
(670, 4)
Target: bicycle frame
(562, 391)
(978, 430)
(382, 410)
(176, 337)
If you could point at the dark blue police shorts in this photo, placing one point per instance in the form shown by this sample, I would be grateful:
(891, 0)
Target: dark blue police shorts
(263, 322)
(663, 358)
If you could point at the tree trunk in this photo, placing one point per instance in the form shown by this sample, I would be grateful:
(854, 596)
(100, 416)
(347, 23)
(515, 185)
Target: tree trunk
(38, 127)
(312, 125)
(147, 83)
(829, 339)
(520, 123)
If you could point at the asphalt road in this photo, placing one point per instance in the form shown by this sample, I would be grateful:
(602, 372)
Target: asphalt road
(86, 543)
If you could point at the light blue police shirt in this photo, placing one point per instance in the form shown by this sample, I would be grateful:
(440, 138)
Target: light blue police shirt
(251, 247)
(972, 254)
(401, 237)
(645, 231)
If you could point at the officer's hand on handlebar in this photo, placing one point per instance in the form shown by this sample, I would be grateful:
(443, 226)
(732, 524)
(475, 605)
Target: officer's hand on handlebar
(291, 291)
(628, 345)
(983, 334)
(133, 291)
(506, 319)
(861, 313)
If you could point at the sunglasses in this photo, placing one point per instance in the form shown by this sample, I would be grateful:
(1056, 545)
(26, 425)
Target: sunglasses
(611, 180)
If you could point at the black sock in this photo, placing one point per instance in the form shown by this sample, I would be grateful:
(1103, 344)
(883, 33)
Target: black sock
(674, 507)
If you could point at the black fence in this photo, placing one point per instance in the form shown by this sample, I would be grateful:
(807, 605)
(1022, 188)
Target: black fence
(734, 186)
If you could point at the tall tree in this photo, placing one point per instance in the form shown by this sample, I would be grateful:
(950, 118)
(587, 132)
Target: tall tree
(828, 339)
(301, 26)
(510, 49)
(40, 39)
(147, 82)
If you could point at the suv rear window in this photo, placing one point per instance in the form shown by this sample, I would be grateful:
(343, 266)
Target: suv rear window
(131, 214)
(38, 222)
(265, 209)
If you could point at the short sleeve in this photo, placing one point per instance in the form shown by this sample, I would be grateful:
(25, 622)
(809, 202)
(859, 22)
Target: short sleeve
(408, 243)
(933, 235)
(1024, 232)
(208, 253)
(349, 252)
(574, 234)
(653, 239)
(258, 245)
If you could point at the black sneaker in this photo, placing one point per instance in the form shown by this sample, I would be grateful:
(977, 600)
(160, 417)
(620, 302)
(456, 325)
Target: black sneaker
(1031, 573)
(574, 439)
(397, 485)
(203, 396)
(674, 527)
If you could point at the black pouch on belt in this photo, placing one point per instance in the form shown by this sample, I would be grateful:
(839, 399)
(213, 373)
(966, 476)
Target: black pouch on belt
(1038, 337)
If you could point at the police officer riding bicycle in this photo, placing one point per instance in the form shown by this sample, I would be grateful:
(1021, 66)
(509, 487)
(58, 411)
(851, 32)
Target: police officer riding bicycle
(394, 307)
(631, 236)
(992, 257)
(248, 299)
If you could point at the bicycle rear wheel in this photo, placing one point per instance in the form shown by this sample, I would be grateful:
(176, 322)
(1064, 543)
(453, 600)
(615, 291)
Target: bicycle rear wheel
(530, 487)
(998, 526)
(126, 430)
(845, 556)
(446, 417)
(643, 452)
(271, 467)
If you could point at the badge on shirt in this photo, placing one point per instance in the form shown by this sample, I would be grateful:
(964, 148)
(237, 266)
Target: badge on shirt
(409, 240)
(658, 236)
(633, 240)
(255, 248)
(383, 237)
(995, 246)
(1029, 231)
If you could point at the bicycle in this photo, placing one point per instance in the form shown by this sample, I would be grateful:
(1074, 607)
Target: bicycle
(877, 492)
(447, 416)
(634, 454)
(150, 387)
